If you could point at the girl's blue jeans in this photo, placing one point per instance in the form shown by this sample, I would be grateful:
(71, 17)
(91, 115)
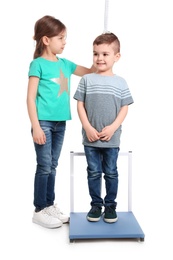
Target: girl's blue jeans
(102, 160)
(47, 156)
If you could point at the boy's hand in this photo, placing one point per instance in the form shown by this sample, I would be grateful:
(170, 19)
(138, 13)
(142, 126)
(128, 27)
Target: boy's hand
(106, 133)
(92, 134)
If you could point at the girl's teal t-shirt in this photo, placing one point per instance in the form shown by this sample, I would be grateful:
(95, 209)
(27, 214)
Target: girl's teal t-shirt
(53, 94)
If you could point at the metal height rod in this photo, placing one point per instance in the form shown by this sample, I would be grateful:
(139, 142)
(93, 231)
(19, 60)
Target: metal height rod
(130, 181)
(106, 16)
(71, 181)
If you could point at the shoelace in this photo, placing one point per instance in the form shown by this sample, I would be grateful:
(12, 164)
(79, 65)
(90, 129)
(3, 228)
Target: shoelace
(94, 209)
(54, 209)
(109, 209)
(45, 212)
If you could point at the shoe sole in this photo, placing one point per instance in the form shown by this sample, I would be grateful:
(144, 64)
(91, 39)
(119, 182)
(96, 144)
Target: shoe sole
(64, 221)
(93, 219)
(109, 220)
(57, 225)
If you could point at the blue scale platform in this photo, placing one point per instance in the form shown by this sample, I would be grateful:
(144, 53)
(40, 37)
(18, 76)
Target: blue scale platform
(126, 227)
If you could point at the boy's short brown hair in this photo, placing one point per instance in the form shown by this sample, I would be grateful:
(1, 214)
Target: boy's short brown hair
(108, 38)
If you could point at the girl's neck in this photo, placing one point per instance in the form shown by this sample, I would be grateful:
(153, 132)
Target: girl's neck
(50, 57)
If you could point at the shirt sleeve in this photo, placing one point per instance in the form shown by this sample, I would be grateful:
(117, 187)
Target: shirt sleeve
(81, 91)
(34, 69)
(126, 97)
(72, 66)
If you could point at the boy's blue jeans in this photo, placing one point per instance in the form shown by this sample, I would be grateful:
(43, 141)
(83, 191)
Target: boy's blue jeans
(47, 156)
(102, 160)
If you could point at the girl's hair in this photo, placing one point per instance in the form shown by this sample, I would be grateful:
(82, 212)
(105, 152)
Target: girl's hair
(46, 26)
(108, 38)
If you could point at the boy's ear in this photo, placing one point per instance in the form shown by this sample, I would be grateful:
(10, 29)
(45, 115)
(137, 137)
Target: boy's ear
(117, 56)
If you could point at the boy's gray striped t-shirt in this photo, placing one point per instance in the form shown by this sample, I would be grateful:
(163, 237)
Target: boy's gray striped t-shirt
(103, 97)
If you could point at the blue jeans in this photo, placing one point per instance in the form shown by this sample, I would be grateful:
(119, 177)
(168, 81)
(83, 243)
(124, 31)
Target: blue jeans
(47, 156)
(102, 160)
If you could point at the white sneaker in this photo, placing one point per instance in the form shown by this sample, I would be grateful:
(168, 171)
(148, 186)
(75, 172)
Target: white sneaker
(55, 212)
(44, 219)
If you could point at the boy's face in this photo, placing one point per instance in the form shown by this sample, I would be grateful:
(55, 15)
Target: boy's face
(104, 57)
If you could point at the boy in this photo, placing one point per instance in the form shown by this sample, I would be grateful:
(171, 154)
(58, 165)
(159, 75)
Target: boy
(102, 104)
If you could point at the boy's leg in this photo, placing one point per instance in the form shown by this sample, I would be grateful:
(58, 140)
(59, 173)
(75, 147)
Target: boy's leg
(110, 156)
(94, 171)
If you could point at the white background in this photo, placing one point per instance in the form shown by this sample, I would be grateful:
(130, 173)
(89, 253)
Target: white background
(145, 31)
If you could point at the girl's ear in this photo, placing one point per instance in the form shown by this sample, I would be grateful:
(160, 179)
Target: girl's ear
(45, 40)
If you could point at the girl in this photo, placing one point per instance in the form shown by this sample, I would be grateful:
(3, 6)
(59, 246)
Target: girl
(48, 103)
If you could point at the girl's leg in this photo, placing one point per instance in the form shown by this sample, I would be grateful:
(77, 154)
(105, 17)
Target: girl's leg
(58, 132)
(47, 160)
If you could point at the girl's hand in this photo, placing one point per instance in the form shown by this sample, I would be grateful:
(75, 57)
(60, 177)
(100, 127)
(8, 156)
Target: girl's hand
(39, 136)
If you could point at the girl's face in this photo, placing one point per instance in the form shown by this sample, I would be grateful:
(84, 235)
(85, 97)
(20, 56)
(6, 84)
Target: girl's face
(104, 58)
(57, 43)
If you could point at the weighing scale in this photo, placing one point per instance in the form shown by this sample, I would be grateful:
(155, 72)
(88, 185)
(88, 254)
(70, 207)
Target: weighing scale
(127, 226)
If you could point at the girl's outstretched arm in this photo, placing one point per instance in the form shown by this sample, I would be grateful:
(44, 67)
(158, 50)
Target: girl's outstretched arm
(81, 70)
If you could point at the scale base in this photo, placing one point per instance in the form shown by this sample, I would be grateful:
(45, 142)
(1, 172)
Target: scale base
(126, 227)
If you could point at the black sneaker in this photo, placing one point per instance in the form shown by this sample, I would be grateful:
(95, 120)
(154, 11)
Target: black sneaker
(94, 214)
(110, 215)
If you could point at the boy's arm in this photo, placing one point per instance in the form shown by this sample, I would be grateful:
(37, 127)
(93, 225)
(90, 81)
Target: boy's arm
(91, 132)
(108, 131)
(38, 134)
(120, 117)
